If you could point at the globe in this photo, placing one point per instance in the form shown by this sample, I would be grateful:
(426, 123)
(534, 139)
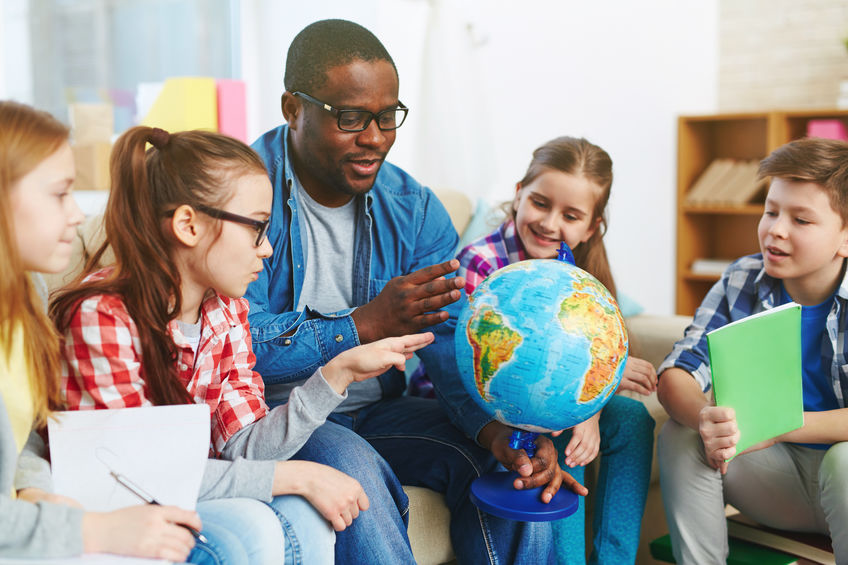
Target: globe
(541, 345)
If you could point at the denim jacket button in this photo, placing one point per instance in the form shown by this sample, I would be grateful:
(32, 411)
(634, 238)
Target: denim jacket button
(287, 342)
(339, 338)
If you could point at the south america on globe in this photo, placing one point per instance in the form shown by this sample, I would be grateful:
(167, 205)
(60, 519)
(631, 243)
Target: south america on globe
(541, 345)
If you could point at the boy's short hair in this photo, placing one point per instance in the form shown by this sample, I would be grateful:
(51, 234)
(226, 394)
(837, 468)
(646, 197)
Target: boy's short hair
(325, 44)
(812, 159)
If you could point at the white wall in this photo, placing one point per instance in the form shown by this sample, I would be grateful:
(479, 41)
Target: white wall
(15, 56)
(618, 73)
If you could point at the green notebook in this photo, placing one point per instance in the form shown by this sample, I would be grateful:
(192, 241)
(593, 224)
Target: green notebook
(756, 369)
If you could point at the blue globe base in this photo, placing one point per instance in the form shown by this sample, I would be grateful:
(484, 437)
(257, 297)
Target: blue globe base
(494, 493)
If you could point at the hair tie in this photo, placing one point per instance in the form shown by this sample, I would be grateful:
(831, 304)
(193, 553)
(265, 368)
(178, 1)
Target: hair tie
(159, 138)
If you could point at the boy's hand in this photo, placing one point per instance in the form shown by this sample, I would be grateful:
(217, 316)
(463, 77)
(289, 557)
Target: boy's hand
(584, 444)
(720, 434)
(541, 470)
(366, 361)
(639, 376)
(409, 303)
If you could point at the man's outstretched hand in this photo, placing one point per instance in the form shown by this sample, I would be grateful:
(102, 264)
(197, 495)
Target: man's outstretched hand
(409, 303)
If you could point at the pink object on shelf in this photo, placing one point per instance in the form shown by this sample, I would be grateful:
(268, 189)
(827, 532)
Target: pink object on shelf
(828, 129)
(232, 108)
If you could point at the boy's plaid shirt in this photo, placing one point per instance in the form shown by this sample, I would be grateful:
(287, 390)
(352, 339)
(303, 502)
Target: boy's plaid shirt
(101, 366)
(483, 257)
(746, 289)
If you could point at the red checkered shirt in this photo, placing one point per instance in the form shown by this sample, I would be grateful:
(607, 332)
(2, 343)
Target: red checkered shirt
(102, 358)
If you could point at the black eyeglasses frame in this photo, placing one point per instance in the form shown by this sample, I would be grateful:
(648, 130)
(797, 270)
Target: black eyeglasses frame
(339, 112)
(261, 226)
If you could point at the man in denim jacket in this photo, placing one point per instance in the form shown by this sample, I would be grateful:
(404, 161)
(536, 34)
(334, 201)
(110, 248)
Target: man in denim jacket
(362, 251)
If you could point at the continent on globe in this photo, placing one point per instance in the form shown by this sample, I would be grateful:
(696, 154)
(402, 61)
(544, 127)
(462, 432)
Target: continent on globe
(584, 316)
(493, 343)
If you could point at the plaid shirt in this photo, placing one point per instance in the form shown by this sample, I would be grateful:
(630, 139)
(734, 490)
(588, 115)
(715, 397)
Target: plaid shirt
(101, 366)
(483, 257)
(746, 289)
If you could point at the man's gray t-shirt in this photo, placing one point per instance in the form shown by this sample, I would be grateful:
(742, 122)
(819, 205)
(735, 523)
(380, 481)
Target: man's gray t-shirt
(328, 236)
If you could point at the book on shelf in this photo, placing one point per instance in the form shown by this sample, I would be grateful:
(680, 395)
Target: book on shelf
(814, 547)
(756, 370)
(727, 182)
(710, 266)
(701, 190)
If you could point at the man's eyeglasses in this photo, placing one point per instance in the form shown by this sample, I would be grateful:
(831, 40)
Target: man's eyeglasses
(359, 120)
(261, 226)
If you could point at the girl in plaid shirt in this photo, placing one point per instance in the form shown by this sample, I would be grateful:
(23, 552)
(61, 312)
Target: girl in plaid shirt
(165, 324)
(563, 197)
(38, 220)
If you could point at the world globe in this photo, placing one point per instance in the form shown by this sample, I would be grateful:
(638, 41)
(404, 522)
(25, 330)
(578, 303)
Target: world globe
(541, 345)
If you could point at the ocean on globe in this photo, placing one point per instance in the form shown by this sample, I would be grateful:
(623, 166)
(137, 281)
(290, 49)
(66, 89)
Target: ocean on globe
(541, 345)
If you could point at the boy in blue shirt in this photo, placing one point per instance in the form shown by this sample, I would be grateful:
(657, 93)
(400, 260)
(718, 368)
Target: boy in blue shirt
(795, 481)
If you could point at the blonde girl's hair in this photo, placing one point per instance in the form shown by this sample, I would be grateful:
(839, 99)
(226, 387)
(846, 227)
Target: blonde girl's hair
(27, 137)
(188, 167)
(578, 157)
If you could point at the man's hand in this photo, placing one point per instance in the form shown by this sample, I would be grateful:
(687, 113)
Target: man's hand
(541, 470)
(639, 376)
(720, 434)
(409, 303)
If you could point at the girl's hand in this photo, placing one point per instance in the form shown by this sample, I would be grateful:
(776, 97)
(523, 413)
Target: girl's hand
(141, 531)
(639, 376)
(366, 361)
(720, 434)
(584, 444)
(36, 495)
(337, 496)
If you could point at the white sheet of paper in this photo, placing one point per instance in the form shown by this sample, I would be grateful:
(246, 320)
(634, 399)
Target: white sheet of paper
(162, 449)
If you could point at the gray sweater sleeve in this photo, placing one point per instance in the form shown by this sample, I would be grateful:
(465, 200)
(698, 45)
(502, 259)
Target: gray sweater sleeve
(240, 478)
(33, 469)
(39, 530)
(285, 429)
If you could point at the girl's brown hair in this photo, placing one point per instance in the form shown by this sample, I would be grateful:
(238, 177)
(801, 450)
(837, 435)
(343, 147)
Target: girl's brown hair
(190, 168)
(27, 137)
(579, 157)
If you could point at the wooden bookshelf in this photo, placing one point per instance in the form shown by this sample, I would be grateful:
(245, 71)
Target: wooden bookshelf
(725, 232)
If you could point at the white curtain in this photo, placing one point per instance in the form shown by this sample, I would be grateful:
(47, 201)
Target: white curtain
(455, 147)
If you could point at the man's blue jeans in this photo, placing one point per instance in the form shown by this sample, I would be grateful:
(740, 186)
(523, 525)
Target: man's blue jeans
(410, 441)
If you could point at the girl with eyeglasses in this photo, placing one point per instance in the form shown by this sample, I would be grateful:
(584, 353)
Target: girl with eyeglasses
(166, 324)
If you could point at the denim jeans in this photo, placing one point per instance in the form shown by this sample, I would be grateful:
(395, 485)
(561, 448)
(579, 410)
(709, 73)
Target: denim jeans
(626, 452)
(240, 531)
(309, 537)
(410, 441)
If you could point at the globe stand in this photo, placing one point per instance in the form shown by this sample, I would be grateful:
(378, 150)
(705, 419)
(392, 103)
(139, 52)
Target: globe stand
(494, 492)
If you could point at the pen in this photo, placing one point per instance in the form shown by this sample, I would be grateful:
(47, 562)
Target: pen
(139, 492)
